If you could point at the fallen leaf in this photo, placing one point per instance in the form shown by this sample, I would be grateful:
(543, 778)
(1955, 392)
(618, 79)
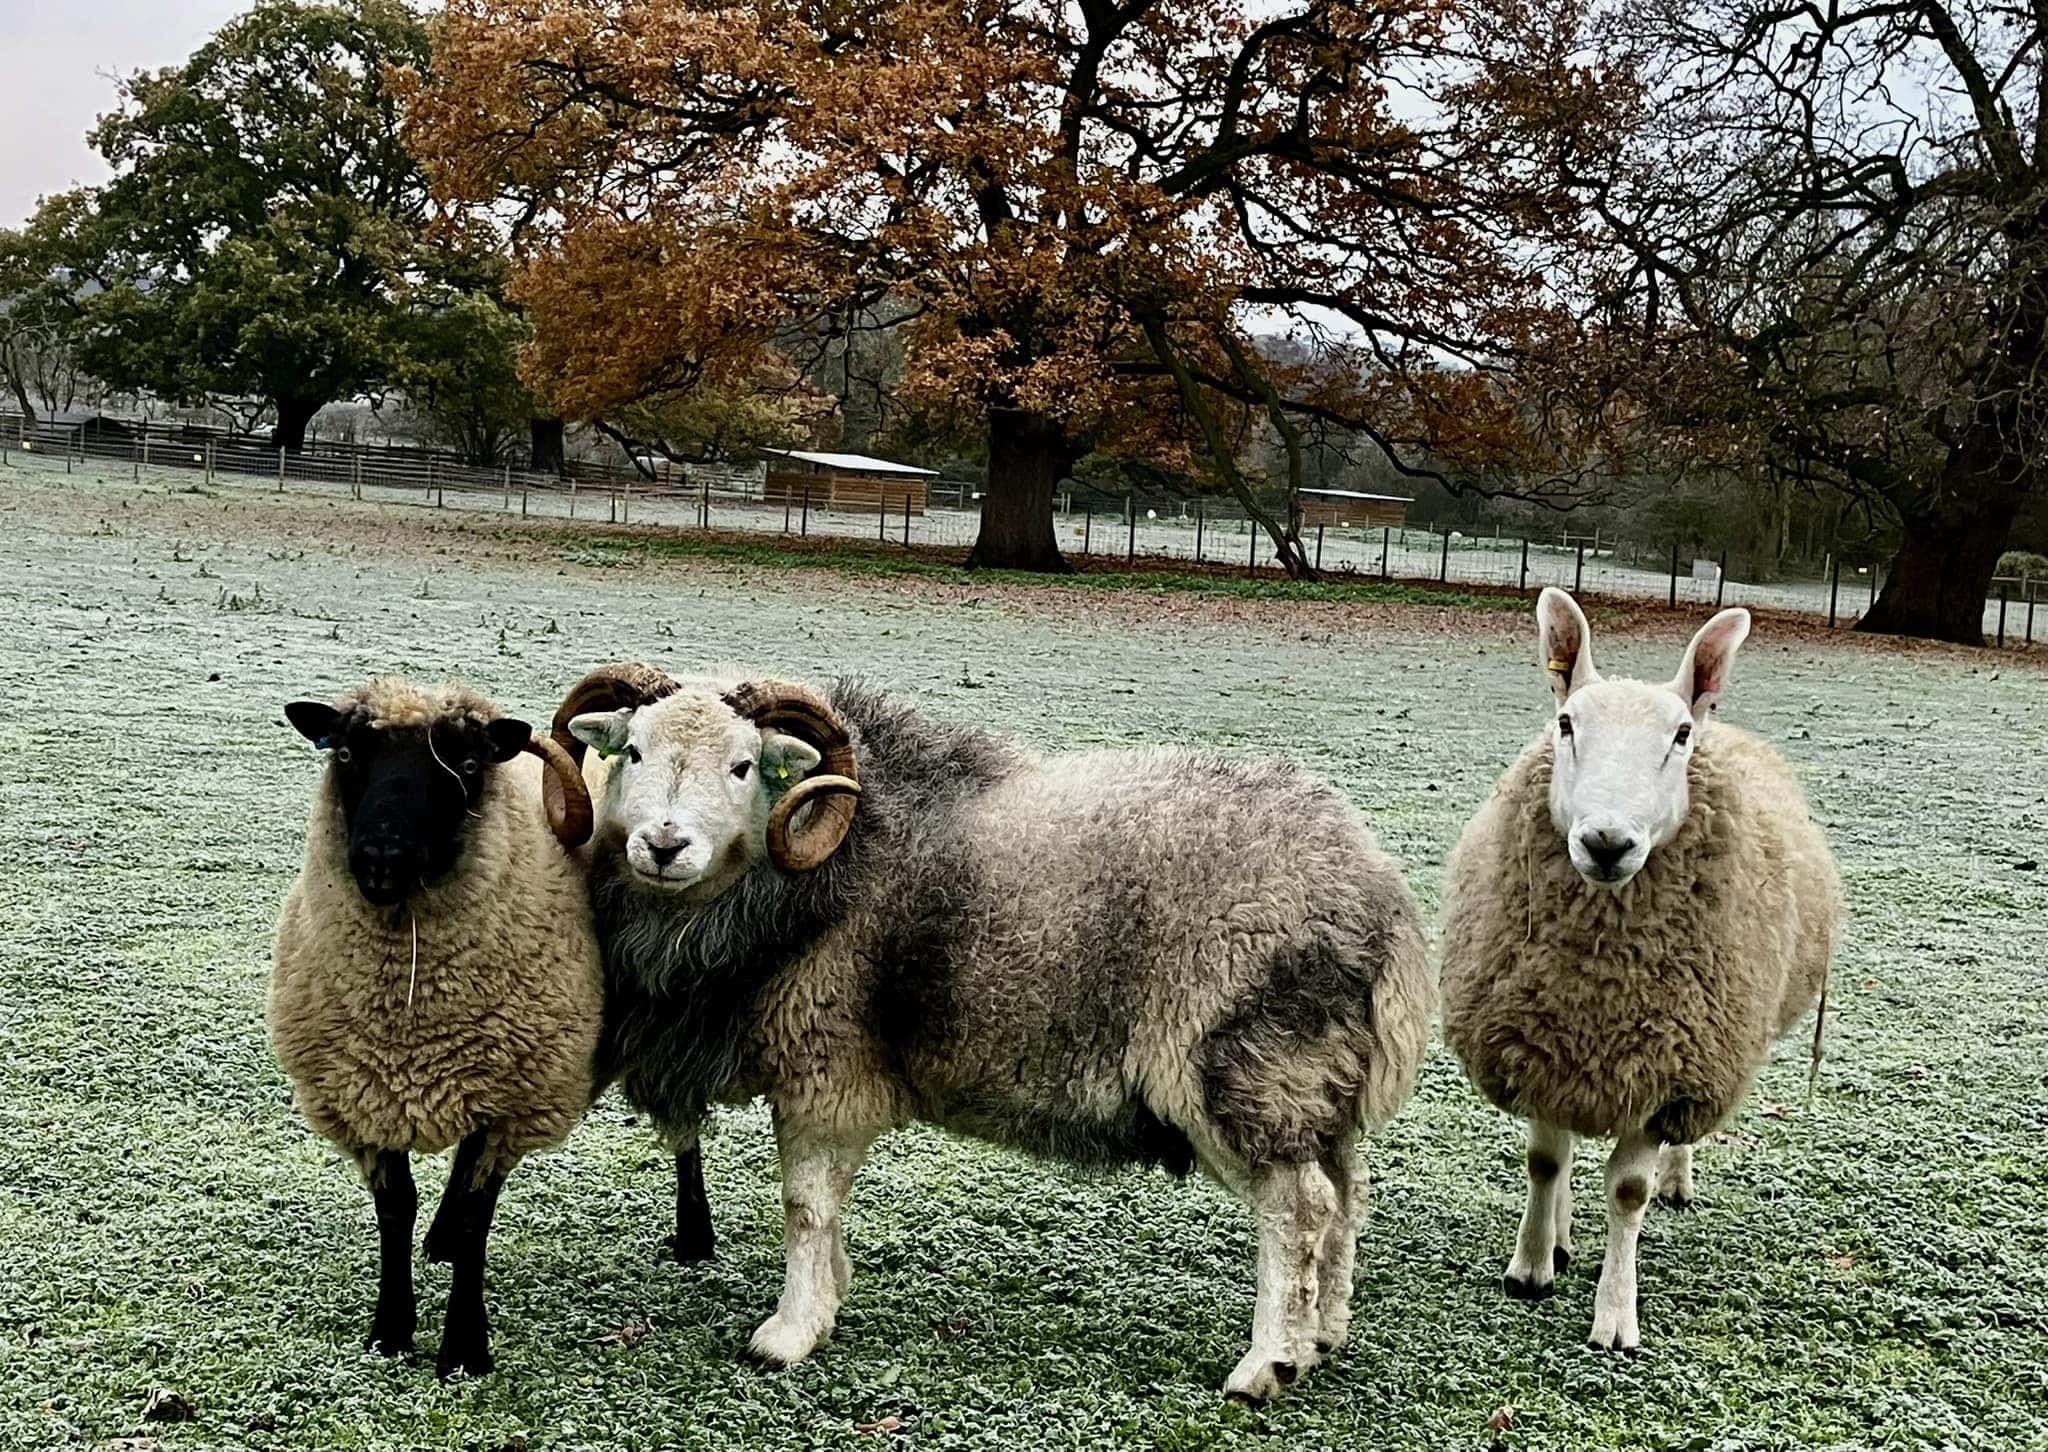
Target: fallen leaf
(165, 1405)
(1502, 1419)
(879, 1429)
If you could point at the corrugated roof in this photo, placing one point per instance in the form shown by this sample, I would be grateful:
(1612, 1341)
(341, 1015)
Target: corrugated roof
(854, 463)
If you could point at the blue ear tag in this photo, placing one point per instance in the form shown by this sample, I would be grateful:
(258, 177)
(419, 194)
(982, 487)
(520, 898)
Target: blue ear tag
(325, 743)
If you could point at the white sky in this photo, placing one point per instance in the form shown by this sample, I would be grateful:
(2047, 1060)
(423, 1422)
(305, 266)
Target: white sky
(59, 62)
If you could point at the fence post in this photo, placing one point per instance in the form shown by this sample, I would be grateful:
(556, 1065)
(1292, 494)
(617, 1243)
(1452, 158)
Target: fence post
(1674, 573)
(1087, 528)
(1834, 589)
(572, 497)
(705, 509)
(1251, 559)
(2031, 582)
(1525, 564)
(355, 474)
(807, 512)
(1443, 569)
(2004, 594)
(881, 518)
(1319, 547)
(611, 503)
(209, 461)
(522, 501)
(788, 510)
(1199, 513)
(1579, 571)
(1131, 551)
(1721, 577)
(280, 468)
(626, 504)
(508, 488)
(145, 443)
(135, 458)
(1386, 534)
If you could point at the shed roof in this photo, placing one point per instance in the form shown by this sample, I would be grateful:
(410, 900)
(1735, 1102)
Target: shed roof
(1354, 494)
(854, 463)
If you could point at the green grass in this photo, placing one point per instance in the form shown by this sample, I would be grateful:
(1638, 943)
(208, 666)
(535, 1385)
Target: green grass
(1871, 1272)
(859, 559)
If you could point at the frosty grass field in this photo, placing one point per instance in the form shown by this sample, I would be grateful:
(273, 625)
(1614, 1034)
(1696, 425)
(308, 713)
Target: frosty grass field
(1871, 1271)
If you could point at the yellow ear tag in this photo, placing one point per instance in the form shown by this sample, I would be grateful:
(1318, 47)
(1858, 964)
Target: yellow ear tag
(1558, 665)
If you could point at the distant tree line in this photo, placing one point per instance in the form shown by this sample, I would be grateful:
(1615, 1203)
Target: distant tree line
(1697, 276)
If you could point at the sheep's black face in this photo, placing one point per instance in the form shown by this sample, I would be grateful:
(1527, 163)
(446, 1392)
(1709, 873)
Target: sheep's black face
(406, 792)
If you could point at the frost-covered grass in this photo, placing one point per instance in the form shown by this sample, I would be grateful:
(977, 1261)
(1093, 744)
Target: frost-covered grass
(1872, 1271)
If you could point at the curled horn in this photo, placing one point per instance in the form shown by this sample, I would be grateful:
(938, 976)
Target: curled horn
(608, 688)
(833, 790)
(563, 791)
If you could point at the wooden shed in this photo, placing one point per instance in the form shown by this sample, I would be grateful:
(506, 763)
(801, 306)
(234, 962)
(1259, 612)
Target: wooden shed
(849, 483)
(1347, 509)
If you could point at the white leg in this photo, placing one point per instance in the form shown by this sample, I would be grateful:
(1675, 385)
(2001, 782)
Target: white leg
(1674, 1176)
(1293, 1206)
(1543, 1244)
(1631, 1173)
(1340, 1246)
(817, 1172)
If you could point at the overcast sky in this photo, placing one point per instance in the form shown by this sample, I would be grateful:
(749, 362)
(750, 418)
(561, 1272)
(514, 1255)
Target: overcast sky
(59, 62)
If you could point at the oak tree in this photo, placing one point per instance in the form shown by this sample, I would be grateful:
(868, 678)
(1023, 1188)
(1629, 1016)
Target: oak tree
(1085, 217)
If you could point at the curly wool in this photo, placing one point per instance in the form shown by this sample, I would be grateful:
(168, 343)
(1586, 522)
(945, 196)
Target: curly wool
(1102, 957)
(1602, 1011)
(496, 1025)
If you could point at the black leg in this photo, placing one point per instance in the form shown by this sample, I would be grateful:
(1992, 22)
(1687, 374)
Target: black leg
(443, 1233)
(694, 1237)
(397, 1316)
(466, 1334)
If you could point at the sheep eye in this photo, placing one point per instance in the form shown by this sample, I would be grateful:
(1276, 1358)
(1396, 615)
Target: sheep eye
(741, 768)
(1564, 725)
(469, 766)
(633, 755)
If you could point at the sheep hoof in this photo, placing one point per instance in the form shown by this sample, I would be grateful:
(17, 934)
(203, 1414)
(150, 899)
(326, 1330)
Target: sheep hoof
(457, 1359)
(435, 1247)
(1528, 1288)
(1626, 1348)
(778, 1342)
(1258, 1380)
(1675, 1201)
(390, 1341)
(684, 1249)
(1560, 1260)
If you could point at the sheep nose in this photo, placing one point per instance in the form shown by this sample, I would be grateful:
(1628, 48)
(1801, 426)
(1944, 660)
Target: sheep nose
(664, 853)
(1607, 847)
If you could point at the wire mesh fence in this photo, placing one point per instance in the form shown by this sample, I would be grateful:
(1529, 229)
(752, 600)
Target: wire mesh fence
(1209, 534)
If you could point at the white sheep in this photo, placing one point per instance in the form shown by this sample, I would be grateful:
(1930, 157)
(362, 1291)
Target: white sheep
(1641, 908)
(437, 977)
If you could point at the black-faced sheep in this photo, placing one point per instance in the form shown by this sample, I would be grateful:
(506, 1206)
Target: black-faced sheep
(1642, 907)
(869, 916)
(437, 977)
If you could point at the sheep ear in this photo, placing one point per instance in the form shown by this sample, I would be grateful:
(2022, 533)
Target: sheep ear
(1709, 660)
(1564, 643)
(314, 720)
(786, 759)
(604, 731)
(508, 738)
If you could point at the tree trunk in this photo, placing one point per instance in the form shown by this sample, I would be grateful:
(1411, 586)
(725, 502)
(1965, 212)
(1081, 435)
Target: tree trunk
(293, 414)
(1028, 454)
(1948, 553)
(545, 443)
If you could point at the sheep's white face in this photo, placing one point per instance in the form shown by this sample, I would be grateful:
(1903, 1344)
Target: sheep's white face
(1618, 786)
(690, 788)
